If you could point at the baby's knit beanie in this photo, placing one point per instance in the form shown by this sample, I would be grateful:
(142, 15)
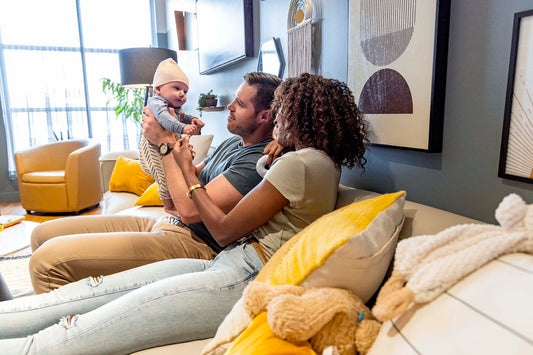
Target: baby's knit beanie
(167, 71)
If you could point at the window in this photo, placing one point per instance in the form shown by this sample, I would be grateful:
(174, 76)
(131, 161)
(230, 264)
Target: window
(53, 55)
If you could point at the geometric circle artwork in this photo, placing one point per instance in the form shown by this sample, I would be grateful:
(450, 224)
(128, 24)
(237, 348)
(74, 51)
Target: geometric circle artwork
(386, 29)
(299, 11)
(386, 92)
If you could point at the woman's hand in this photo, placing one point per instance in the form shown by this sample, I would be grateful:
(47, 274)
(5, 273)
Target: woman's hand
(184, 155)
(273, 149)
(153, 131)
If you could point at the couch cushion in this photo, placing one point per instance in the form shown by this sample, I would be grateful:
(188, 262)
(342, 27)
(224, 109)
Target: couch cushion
(200, 146)
(150, 197)
(143, 211)
(114, 202)
(488, 312)
(190, 348)
(128, 176)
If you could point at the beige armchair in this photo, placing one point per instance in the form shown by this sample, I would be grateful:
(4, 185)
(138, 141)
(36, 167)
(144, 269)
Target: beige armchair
(59, 177)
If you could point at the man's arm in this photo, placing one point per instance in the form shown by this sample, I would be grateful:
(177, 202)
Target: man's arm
(220, 189)
(255, 209)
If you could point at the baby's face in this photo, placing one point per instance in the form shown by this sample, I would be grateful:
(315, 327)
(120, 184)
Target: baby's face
(174, 92)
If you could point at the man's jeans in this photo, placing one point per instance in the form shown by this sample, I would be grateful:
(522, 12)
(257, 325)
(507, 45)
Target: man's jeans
(162, 303)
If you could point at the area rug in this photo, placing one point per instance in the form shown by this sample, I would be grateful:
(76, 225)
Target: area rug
(14, 269)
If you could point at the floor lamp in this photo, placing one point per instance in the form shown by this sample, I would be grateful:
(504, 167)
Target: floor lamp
(138, 65)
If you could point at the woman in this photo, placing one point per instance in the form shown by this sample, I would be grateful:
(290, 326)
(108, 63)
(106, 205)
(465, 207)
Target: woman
(183, 299)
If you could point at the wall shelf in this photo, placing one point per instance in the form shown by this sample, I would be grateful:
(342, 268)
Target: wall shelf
(211, 108)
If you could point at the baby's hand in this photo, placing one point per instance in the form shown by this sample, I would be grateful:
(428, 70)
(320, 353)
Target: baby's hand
(198, 123)
(190, 129)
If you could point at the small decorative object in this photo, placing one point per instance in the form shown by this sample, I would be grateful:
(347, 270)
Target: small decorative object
(299, 37)
(207, 100)
(516, 155)
(321, 316)
(397, 55)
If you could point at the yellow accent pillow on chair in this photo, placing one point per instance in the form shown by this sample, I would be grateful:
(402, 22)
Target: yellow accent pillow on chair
(128, 176)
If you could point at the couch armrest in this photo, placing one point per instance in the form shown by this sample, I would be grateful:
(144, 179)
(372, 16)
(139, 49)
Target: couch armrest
(107, 163)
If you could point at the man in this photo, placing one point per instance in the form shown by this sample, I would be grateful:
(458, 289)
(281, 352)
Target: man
(85, 246)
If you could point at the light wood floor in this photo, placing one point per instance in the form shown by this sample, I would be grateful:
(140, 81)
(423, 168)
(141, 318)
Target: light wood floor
(15, 208)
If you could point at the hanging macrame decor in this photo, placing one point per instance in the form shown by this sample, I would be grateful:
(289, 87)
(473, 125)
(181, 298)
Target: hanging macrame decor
(300, 37)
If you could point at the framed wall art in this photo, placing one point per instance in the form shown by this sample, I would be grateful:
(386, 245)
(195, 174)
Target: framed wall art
(397, 56)
(225, 33)
(516, 154)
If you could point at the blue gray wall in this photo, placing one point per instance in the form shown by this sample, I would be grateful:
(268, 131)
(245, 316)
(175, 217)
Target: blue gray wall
(463, 178)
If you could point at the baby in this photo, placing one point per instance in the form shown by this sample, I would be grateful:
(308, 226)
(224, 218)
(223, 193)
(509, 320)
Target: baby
(170, 88)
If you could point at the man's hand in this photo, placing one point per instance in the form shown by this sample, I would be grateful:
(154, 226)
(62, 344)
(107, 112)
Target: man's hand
(153, 131)
(274, 150)
(184, 155)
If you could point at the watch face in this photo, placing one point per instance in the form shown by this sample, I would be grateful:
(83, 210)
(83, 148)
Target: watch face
(163, 148)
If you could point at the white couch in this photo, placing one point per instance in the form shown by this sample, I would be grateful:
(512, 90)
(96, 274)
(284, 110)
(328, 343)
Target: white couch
(488, 312)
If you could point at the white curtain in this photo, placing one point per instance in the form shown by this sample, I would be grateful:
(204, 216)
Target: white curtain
(53, 55)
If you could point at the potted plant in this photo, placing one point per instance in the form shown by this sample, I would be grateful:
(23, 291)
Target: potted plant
(207, 100)
(129, 102)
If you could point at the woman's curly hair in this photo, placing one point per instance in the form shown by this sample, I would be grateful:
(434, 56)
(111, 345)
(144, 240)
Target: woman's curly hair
(322, 114)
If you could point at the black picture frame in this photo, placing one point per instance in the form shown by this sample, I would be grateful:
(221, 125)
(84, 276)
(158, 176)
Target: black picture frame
(516, 152)
(225, 33)
(383, 82)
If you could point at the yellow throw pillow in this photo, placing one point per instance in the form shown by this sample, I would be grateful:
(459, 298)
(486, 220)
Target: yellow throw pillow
(258, 339)
(128, 176)
(349, 248)
(150, 197)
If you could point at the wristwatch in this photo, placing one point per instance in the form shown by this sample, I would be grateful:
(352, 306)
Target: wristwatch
(165, 148)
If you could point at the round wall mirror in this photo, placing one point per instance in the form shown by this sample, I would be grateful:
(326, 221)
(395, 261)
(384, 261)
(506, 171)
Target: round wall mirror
(270, 58)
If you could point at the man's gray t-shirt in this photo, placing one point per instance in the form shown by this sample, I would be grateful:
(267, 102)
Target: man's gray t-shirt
(238, 165)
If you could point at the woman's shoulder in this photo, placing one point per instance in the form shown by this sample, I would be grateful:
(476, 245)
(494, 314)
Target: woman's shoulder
(302, 160)
(307, 156)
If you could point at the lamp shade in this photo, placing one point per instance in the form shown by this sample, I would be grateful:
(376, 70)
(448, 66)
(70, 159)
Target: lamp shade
(138, 65)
